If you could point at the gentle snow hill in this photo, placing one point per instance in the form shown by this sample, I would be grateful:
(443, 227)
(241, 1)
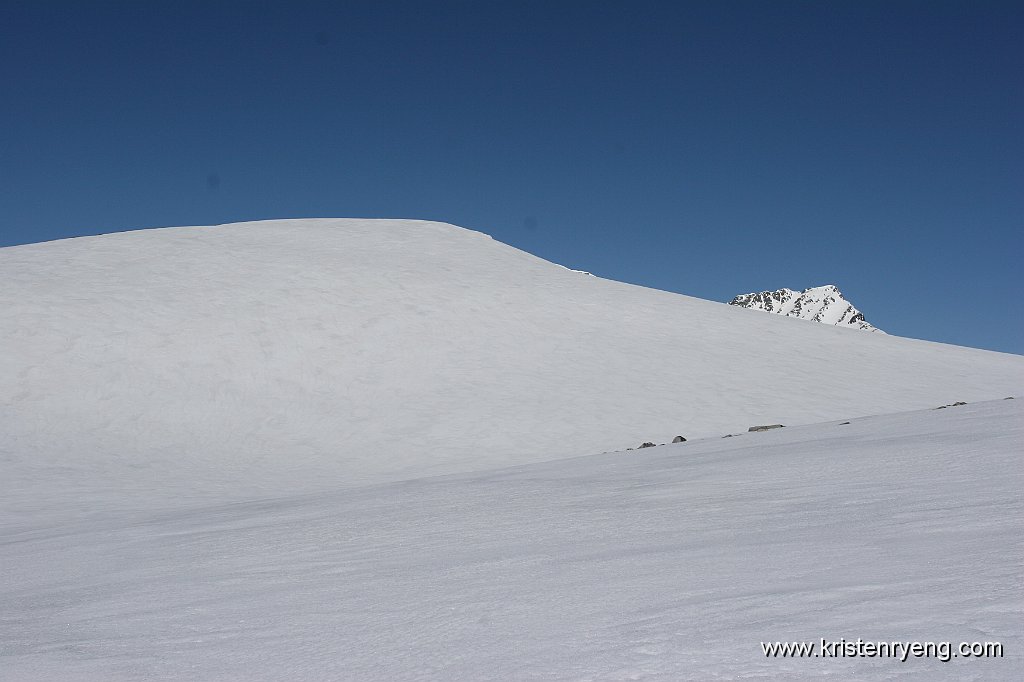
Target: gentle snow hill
(666, 564)
(824, 304)
(281, 356)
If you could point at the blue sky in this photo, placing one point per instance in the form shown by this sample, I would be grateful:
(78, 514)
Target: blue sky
(708, 148)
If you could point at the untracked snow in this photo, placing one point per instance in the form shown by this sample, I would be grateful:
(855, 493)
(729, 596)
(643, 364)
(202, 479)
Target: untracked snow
(670, 563)
(220, 448)
(174, 366)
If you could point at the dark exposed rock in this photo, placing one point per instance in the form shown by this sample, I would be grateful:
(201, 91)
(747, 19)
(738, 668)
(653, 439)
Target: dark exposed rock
(678, 439)
(766, 427)
(646, 445)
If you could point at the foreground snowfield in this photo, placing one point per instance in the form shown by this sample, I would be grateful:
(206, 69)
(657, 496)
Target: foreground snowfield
(669, 563)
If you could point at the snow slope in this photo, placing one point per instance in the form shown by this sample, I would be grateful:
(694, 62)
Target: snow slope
(173, 366)
(670, 563)
(824, 304)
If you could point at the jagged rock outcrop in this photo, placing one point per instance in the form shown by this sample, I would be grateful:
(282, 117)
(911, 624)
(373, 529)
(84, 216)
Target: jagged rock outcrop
(823, 304)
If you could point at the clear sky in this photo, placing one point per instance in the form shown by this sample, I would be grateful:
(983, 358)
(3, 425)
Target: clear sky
(708, 148)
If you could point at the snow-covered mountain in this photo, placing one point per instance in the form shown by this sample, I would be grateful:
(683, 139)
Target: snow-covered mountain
(823, 304)
(216, 448)
(215, 363)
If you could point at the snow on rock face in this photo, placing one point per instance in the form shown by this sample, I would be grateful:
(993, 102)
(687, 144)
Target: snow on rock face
(823, 304)
(230, 362)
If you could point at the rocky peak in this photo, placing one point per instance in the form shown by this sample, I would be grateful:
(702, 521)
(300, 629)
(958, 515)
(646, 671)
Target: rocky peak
(823, 304)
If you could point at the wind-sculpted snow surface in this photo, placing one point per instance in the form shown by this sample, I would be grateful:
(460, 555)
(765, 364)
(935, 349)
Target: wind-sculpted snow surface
(670, 563)
(233, 362)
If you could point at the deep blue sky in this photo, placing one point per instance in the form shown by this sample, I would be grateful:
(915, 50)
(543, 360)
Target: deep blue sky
(709, 148)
